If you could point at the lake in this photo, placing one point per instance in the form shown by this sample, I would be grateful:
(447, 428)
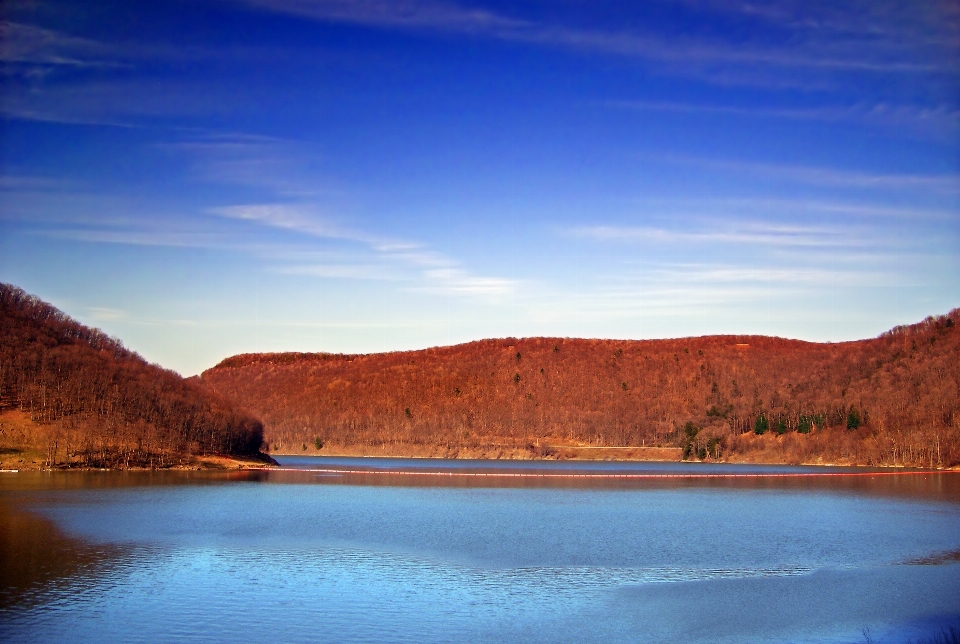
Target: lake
(406, 550)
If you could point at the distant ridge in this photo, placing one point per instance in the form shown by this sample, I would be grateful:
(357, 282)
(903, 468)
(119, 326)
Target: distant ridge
(89, 401)
(887, 400)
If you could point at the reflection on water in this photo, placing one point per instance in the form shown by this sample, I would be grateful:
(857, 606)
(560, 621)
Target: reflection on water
(36, 558)
(356, 556)
(920, 484)
(936, 559)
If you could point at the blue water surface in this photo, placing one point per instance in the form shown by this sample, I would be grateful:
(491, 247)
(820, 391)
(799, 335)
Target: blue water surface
(295, 557)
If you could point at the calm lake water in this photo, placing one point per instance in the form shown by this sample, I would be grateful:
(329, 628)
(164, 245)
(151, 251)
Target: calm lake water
(391, 550)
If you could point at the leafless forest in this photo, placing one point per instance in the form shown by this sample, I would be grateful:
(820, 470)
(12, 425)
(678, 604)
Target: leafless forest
(889, 400)
(95, 403)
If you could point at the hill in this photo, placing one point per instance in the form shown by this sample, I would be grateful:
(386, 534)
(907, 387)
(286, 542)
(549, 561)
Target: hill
(888, 400)
(81, 398)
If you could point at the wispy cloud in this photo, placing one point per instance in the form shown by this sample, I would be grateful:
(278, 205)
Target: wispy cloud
(763, 206)
(794, 275)
(281, 166)
(32, 183)
(932, 23)
(829, 177)
(314, 241)
(419, 14)
(133, 101)
(813, 48)
(292, 217)
(455, 281)
(684, 291)
(364, 257)
(106, 314)
(853, 52)
(931, 120)
(32, 45)
(142, 237)
(749, 233)
(342, 271)
(437, 273)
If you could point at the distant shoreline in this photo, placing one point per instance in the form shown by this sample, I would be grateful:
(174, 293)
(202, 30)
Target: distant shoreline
(543, 452)
(593, 453)
(32, 458)
(225, 463)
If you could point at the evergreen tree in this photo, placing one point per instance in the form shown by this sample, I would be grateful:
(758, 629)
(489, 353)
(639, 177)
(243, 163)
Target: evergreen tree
(761, 426)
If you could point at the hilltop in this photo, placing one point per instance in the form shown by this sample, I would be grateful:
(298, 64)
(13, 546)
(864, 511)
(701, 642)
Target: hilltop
(889, 400)
(72, 396)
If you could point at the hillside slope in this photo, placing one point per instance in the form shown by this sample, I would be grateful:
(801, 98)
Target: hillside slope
(889, 400)
(83, 399)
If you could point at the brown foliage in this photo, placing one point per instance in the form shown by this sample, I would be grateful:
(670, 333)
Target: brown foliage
(101, 403)
(902, 388)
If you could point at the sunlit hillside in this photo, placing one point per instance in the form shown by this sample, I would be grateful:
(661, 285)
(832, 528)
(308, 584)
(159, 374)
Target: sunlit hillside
(887, 400)
(80, 398)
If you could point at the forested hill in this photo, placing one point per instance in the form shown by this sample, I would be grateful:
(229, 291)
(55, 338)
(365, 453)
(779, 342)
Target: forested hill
(890, 400)
(97, 403)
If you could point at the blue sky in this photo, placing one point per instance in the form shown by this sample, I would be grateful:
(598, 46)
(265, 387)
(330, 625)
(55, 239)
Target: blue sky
(211, 177)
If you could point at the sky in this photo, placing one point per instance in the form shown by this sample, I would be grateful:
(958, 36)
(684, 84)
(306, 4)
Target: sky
(203, 178)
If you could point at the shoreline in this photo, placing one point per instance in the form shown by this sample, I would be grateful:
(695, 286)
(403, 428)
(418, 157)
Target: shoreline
(517, 454)
(9, 464)
(216, 462)
(496, 452)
